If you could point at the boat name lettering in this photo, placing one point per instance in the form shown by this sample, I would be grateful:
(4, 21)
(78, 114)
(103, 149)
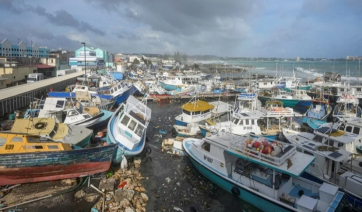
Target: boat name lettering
(208, 159)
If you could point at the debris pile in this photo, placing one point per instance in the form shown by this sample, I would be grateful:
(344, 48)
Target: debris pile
(129, 194)
(173, 146)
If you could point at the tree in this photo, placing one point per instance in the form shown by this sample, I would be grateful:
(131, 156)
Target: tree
(135, 62)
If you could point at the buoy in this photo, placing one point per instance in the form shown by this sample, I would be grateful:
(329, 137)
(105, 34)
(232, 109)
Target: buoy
(235, 190)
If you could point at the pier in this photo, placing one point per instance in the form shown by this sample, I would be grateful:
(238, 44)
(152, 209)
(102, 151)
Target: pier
(17, 97)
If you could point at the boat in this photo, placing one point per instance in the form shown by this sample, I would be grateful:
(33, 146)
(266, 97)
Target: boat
(347, 106)
(268, 177)
(287, 99)
(304, 99)
(48, 129)
(69, 112)
(28, 158)
(170, 83)
(334, 161)
(127, 128)
(182, 90)
(191, 130)
(119, 92)
(318, 113)
(197, 110)
(140, 88)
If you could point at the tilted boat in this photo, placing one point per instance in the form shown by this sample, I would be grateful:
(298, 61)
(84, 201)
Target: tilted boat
(265, 174)
(347, 106)
(127, 128)
(27, 158)
(287, 99)
(49, 129)
(318, 113)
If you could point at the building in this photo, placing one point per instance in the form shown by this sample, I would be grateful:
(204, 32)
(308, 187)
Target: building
(22, 50)
(13, 73)
(87, 57)
(62, 58)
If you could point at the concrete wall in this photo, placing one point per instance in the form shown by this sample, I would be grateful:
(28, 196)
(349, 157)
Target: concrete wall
(15, 74)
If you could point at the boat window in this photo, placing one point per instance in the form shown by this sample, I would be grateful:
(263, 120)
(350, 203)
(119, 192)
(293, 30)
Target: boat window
(112, 90)
(125, 120)
(340, 144)
(246, 121)
(186, 112)
(349, 129)
(342, 89)
(2, 140)
(356, 130)
(318, 138)
(299, 149)
(139, 130)
(197, 112)
(119, 86)
(358, 89)
(241, 122)
(72, 113)
(341, 127)
(252, 122)
(308, 153)
(236, 121)
(59, 104)
(132, 125)
(331, 142)
(206, 146)
(16, 139)
(53, 147)
(37, 147)
(207, 111)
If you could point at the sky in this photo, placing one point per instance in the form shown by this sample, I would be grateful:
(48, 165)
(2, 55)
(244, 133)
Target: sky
(226, 28)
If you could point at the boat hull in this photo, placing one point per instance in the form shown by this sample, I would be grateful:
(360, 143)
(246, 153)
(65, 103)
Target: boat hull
(250, 197)
(45, 166)
(103, 120)
(181, 123)
(304, 103)
(168, 87)
(286, 102)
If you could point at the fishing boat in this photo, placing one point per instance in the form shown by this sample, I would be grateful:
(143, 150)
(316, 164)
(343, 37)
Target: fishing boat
(28, 158)
(127, 128)
(182, 90)
(287, 99)
(69, 112)
(334, 160)
(304, 99)
(191, 130)
(119, 92)
(318, 113)
(140, 88)
(264, 174)
(197, 110)
(347, 106)
(48, 129)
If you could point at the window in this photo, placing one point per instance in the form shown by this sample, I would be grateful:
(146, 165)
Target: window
(318, 138)
(186, 112)
(206, 146)
(308, 153)
(356, 130)
(125, 120)
(197, 112)
(139, 130)
(341, 127)
(60, 104)
(349, 129)
(299, 149)
(246, 121)
(342, 89)
(17, 139)
(132, 125)
(358, 89)
(331, 142)
(252, 122)
(340, 144)
(236, 121)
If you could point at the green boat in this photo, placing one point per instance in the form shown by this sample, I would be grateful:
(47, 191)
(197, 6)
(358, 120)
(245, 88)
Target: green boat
(284, 97)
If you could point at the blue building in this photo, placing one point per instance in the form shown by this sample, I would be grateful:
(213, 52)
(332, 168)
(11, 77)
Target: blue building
(22, 50)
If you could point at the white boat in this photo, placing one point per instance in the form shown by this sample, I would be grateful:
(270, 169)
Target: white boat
(187, 89)
(270, 181)
(69, 112)
(196, 111)
(127, 128)
(347, 106)
(334, 163)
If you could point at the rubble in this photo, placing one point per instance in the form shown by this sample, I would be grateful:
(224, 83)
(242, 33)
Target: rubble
(173, 146)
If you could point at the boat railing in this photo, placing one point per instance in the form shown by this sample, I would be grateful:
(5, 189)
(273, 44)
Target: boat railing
(277, 160)
(278, 111)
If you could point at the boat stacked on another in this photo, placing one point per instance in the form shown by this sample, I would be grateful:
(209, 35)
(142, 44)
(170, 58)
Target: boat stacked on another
(127, 128)
(265, 174)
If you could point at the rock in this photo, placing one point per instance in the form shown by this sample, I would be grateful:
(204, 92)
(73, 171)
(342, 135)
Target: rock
(128, 209)
(68, 182)
(79, 194)
(168, 179)
(137, 162)
(144, 197)
(124, 203)
(123, 194)
(90, 198)
(140, 189)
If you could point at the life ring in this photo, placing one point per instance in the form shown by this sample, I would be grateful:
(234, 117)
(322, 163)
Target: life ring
(235, 190)
(39, 125)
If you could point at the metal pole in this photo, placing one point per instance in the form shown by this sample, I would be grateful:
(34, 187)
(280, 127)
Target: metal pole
(85, 62)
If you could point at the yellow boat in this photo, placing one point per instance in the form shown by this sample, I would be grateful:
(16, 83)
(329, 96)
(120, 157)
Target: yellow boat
(198, 106)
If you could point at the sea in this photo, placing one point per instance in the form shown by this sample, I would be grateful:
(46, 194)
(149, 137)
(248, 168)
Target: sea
(308, 70)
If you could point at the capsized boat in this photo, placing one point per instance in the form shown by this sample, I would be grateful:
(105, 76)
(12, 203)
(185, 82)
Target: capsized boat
(48, 129)
(127, 128)
(27, 158)
(264, 174)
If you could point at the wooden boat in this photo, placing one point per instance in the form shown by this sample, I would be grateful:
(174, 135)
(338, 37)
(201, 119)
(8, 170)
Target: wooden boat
(26, 158)
(267, 177)
(287, 99)
(48, 129)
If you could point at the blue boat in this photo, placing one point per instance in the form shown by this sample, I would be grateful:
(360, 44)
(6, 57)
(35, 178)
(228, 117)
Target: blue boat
(127, 128)
(318, 113)
(269, 181)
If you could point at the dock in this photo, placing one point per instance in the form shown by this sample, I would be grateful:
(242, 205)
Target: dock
(17, 97)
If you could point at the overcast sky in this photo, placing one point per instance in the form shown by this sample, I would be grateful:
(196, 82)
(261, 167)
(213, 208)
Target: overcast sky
(238, 28)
